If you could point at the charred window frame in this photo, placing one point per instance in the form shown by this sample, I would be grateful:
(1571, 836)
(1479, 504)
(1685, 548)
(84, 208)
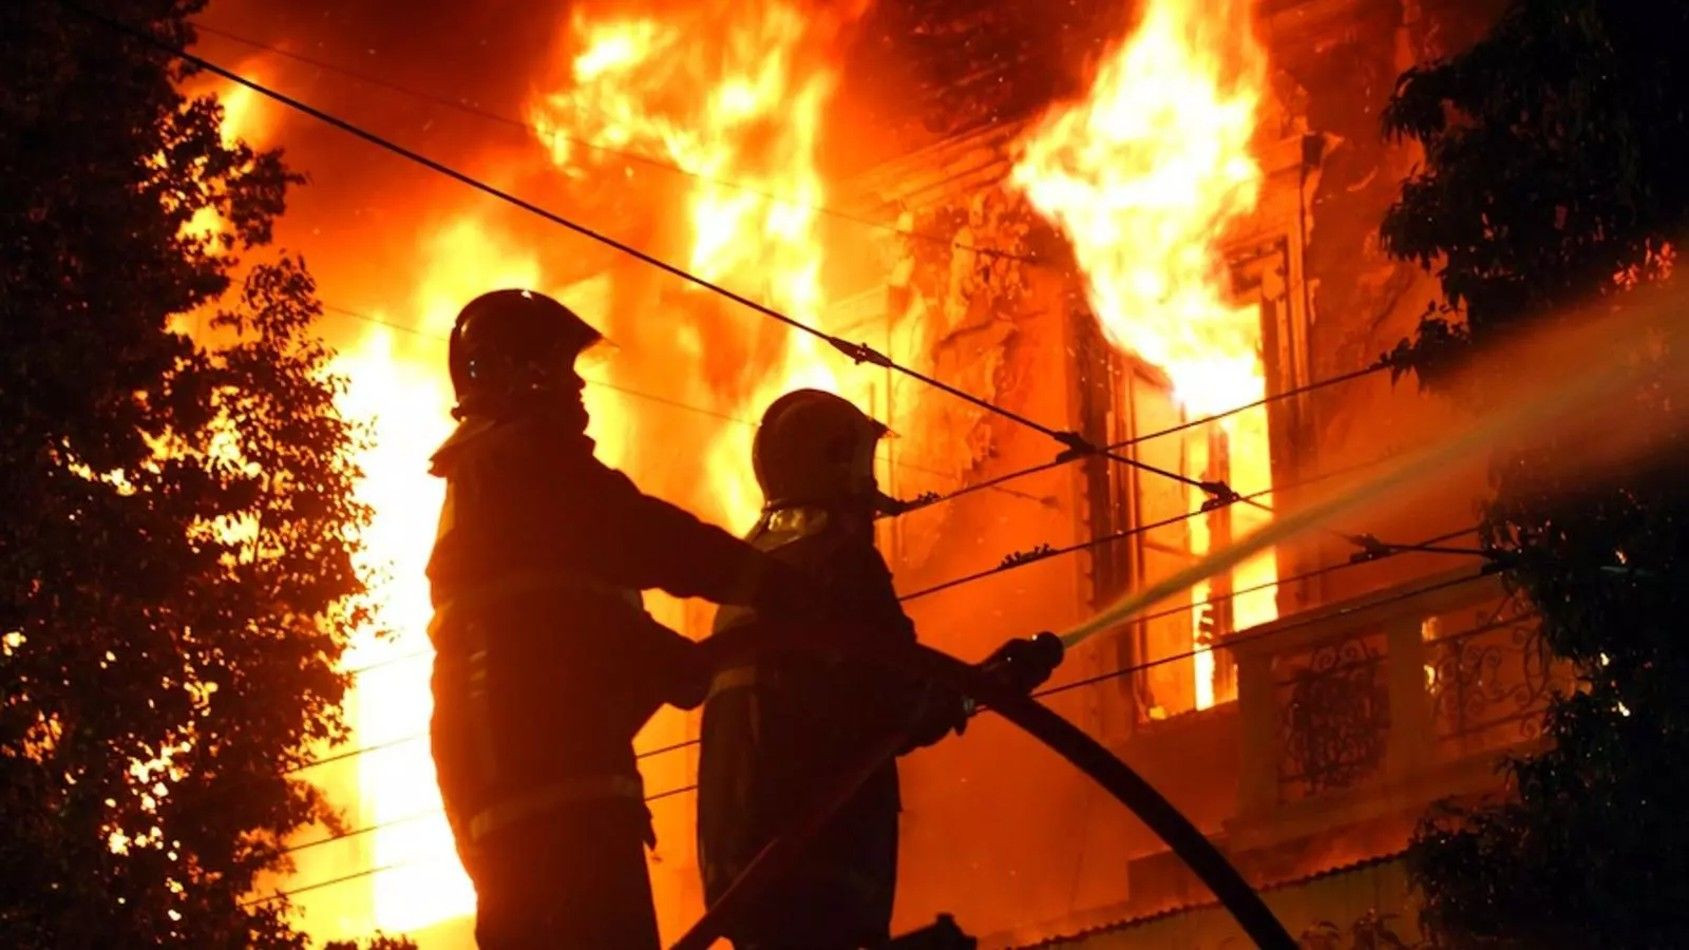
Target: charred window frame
(1122, 398)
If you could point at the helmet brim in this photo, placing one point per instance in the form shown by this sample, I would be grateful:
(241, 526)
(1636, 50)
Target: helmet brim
(596, 355)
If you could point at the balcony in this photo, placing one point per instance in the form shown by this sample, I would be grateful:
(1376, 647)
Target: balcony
(1379, 705)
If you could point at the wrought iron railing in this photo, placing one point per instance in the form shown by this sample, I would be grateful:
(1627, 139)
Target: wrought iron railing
(1490, 678)
(1333, 716)
(1381, 688)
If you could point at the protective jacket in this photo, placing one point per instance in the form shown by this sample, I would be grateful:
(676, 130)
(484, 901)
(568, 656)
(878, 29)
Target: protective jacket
(547, 665)
(776, 729)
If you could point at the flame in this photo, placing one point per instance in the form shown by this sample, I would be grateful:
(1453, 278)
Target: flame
(741, 110)
(728, 92)
(1144, 175)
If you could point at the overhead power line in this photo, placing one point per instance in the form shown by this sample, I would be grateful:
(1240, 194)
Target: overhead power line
(1275, 631)
(625, 154)
(1365, 542)
(1426, 546)
(1018, 559)
(1380, 365)
(602, 383)
(649, 396)
(380, 869)
(1488, 624)
(413, 737)
(345, 879)
(640, 394)
(1073, 442)
(363, 830)
(1429, 545)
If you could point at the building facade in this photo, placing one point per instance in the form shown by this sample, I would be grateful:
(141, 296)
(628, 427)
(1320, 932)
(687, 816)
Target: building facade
(1308, 745)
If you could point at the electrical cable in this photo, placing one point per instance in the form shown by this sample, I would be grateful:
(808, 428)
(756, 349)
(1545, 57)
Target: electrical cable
(1268, 633)
(590, 381)
(640, 394)
(861, 353)
(1483, 627)
(1018, 559)
(368, 872)
(1422, 547)
(420, 736)
(1059, 461)
(1298, 578)
(344, 879)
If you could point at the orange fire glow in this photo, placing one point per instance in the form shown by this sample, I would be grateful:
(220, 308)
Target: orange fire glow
(746, 110)
(1144, 175)
(726, 93)
(397, 385)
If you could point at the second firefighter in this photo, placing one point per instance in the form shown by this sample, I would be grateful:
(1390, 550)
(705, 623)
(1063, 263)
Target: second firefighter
(780, 726)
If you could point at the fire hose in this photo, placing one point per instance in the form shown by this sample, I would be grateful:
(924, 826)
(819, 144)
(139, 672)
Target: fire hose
(1037, 720)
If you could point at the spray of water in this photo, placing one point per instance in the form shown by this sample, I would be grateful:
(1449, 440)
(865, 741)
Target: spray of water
(1571, 377)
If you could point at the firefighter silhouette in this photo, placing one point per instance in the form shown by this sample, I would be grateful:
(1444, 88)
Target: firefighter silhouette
(777, 727)
(546, 662)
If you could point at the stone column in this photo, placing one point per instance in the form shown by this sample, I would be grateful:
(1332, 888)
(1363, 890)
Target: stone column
(1410, 704)
(1258, 720)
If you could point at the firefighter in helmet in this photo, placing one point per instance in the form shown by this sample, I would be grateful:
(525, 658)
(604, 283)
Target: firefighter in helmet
(777, 727)
(546, 662)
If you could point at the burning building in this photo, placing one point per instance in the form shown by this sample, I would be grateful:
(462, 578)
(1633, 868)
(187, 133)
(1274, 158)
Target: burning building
(1151, 225)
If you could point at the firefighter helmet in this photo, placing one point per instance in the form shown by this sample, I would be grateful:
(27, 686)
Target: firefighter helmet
(814, 448)
(511, 348)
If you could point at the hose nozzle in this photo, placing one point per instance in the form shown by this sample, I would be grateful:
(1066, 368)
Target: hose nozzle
(1023, 664)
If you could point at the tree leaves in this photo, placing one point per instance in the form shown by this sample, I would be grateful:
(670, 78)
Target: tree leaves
(176, 574)
(1554, 173)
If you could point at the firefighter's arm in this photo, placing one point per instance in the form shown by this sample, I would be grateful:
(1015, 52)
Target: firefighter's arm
(649, 543)
(680, 666)
(935, 708)
(929, 710)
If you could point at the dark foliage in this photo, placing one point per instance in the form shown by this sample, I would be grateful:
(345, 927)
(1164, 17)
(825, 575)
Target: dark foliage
(178, 527)
(1556, 172)
(378, 942)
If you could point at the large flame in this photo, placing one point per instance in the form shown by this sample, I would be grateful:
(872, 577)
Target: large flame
(742, 109)
(1144, 175)
(727, 93)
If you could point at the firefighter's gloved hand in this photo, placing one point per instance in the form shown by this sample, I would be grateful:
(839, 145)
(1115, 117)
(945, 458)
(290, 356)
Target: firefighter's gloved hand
(677, 667)
(1023, 665)
(689, 689)
(939, 711)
